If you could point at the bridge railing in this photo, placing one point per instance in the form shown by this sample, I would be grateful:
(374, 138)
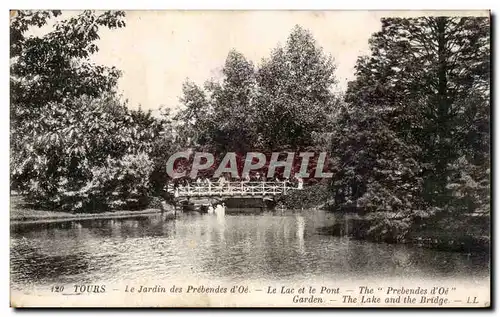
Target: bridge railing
(233, 189)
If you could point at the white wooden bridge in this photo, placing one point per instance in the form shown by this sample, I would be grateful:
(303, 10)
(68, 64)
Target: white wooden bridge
(234, 189)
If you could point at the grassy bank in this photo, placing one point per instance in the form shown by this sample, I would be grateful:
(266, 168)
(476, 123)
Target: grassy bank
(21, 211)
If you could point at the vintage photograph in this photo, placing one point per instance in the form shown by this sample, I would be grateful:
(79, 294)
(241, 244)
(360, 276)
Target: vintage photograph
(250, 158)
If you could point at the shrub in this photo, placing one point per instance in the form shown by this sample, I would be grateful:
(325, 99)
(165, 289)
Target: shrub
(309, 197)
(120, 183)
(81, 155)
(117, 184)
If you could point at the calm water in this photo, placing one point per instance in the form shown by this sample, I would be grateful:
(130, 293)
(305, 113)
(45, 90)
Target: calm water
(263, 247)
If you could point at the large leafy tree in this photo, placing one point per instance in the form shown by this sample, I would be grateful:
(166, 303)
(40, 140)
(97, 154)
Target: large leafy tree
(376, 173)
(55, 67)
(426, 83)
(72, 157)
(48, 72)
(221, 117)
(282, 105)
(433, 75)
(234, 105)
(295, 92)
(193, 121)
(75, 145)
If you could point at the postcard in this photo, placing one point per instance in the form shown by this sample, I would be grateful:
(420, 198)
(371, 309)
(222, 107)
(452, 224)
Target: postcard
(250, 159)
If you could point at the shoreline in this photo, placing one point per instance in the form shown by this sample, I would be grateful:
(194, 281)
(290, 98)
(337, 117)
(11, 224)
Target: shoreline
(430, 239)
(15, 220)
(20, 213)
(434, 237)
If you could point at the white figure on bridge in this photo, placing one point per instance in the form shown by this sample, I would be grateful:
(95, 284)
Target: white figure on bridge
(222, 181)
(246, 178)
(300, 185)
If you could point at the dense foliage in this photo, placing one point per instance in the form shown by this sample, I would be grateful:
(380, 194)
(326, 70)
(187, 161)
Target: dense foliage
(75, 145)
(281, 105)
(312, 196)
(415, 139)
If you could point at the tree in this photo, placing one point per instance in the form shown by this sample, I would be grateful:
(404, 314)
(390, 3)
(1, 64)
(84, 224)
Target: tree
(221, 117)
(48, 72)
(63, 159)
(75, 144)
(234, 105)
(415, 141)
(282, 105)
(376, 174)
(295, 92)
(433, 75)
(194, 120)
(55, 67)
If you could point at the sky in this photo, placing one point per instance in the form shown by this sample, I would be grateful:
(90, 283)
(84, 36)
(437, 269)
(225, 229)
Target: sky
(158, 50)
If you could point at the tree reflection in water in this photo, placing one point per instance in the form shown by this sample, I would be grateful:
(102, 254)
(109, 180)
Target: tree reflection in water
(245, 247)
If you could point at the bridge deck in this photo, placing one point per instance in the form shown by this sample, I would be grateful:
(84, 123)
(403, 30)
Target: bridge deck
(232, 189)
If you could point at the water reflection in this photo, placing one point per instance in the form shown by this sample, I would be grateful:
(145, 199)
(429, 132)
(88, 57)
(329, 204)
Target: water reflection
(268, 246)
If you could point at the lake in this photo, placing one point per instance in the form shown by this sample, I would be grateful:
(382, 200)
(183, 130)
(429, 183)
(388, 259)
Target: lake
(266, 248)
